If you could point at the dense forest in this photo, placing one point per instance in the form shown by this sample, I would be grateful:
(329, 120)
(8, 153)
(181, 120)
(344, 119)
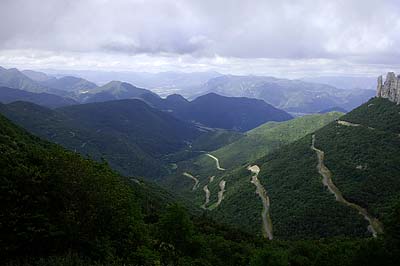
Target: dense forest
(58, 208)
(130, 135)
(361, 151)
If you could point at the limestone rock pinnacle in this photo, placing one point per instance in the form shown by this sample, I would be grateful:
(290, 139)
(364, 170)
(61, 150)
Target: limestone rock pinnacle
(390, 89)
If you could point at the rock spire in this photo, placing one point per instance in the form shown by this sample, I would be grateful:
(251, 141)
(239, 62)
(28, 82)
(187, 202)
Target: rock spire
(390, 89)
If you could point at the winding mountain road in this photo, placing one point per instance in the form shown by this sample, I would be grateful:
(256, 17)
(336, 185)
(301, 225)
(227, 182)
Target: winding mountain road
(216, 162)
(208, 193)
(375, 226)
(221, 191)
(196, 181)
(266, 219)
(349, 124)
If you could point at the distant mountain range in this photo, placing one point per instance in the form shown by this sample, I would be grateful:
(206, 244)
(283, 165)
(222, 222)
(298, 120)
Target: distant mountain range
(70, 84)
(163, 83)
(344, 82)
(211, 110)
(48, 91)
(290, 95)
(114, 90)
(13, 78)
(296, 96)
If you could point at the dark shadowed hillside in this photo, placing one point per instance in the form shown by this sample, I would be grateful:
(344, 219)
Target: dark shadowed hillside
(240, 114)
(216, 111)
(129, 134)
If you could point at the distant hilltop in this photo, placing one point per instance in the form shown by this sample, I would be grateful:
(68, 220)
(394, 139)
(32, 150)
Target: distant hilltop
(390, 89)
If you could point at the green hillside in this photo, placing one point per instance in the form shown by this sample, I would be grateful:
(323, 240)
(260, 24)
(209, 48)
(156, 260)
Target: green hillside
(253, 145)
(363, 158)
(260, 141)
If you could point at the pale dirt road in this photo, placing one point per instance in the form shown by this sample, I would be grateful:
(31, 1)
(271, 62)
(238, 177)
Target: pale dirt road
(375, 226)
(221, 192)
(349, 124)
(207, 192)
(216, 162)
(196, 181)
(266, 219)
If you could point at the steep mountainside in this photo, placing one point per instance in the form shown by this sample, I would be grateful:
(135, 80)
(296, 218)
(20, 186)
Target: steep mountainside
(358, 159)
(291, 95)
(8, 95)
(47, 192)
(251, 146)
(129, 134)
(270, 136)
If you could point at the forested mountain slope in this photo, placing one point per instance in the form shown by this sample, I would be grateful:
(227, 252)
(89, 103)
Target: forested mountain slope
(253, 145)
(129, 134)
(56, 203)
(270, 136)
(361, 153)
(58, 208)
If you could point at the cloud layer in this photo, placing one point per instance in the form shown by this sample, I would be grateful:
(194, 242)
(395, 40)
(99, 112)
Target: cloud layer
(355, 32)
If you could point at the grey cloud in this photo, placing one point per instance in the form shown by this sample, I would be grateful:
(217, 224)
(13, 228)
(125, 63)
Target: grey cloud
(359, 30)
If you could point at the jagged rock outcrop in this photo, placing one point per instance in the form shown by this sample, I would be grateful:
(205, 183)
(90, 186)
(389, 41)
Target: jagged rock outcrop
(390, 89)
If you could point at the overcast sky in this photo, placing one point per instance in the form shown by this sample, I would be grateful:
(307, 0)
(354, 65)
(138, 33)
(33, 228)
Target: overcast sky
(287, 38)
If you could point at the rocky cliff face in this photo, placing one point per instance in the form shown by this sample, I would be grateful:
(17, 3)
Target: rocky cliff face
(390, 89)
